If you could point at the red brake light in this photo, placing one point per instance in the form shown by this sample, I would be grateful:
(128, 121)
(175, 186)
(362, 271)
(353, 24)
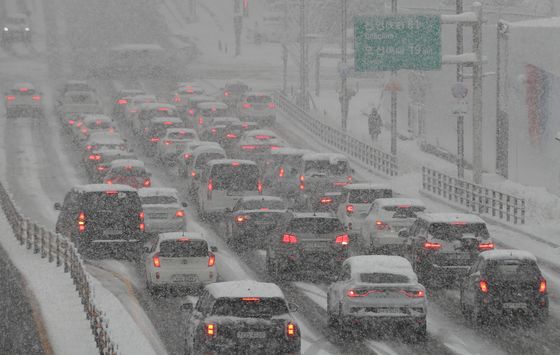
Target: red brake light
(380, 225)
(147, 183)
(226, 93)
(191, 112)
(193, 173)
(326, 200)
(211, 259)
(10, 97)
(241, 219)
(95, 157)
(342, 239)
(259, 186)
(142, 226)
(413, 294)
(235, 163)
(154, 139)
(301, 178)
(210, 329)
(36, 98)
(483, 284)
(214, 130)
(23, 89)
(102, 168)
(71, 122)
(167, 142)
(210, 186)
(82, 222)
(163, 109)
(231, 135)
(291, 330)
(289, 239)
(180, 213)
(485, 246)
(262, 137)
(349, 209)
(168, 123)
(542, 286)
(122, 101)
(156, 261)
(432, 246)
(251, 299)
(271, 105)
(274, 147)
(281, 172)
(177, 98)
(187, 156)
(248, 147)
(200, 121)
(247, 105)
(357, 293)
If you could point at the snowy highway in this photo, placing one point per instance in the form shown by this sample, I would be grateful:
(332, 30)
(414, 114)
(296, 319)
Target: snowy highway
(41, 164)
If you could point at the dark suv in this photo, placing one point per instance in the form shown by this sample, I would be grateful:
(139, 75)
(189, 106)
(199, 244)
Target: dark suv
(504, 281)
(442, 246)
(101, 214)
(241, 317)
(307, 239)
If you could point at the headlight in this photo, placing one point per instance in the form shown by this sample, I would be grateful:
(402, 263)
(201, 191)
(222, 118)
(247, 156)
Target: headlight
(5, 29)
(27, 28)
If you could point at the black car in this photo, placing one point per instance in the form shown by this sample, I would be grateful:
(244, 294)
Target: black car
(102, 215)
(99, 161)
(442, 246)
(252, 220)
(307, 242)
(504, 281)
(241, 317)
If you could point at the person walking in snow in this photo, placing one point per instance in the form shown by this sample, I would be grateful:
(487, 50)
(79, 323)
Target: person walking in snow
(374, 124)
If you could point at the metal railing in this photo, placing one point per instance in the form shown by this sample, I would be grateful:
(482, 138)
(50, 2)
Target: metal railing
(338, 139)
(475, 198)
(56, 248)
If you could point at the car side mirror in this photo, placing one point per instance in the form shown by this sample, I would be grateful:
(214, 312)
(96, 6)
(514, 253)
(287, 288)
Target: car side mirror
(147, 250)
(187, 307)
(292, 307)
(184, 204)
(214, 249)
(57, 206)
(403, 233)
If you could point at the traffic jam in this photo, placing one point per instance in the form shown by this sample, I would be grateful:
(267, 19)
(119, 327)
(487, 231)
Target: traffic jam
(381, 253)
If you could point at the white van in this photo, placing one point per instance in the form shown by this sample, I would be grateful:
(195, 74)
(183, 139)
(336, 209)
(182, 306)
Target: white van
(224, 181)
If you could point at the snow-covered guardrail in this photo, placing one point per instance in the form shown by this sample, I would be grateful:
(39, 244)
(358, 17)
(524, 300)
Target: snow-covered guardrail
(475, 198)
(338, 139)
(55, 247)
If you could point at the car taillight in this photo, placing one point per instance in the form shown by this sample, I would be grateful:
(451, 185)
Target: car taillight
(380, 225)
(191, 112)
(122, 102)
(210, 329)
(102, 167)
(413, 294)
(200, 121)
(281, 172)
(247, 105)
(141, 226)
(154, 139)
(10, 98)
(177, 98)
(326, 200)
(241, 219)
(82, 222)
(349, 209)
(147, 183)
(301, 186)
(289, 239)
(95, 157)
(357, 293)
(180, 213)
(231, 135)
(187, 156)
(211, 259)
(166, 142)
(210, 186)
(24, 89)
(542, 286)
(259, 186)
(271, 105)
(84, 130)
(213, 130)
(291, 330)
(342, 239)
(248, 147)
(485, 246)
(226, 93)
(71, 122)
(156, 260)
(432, 246)
(193, 174)
(36, 98)
(349, 178)
(483, 284)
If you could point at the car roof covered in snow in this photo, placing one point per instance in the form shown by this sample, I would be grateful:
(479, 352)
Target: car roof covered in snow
(23, 85)
(121, 163)
(160, 119)
(502, 254)
(144, 97)
(105, 137)
(103, 188)
(224, 120)
(261, 198)
(180, 130)
(450, 218)
(290, 151)
(382, 202)
(230, 161)
(137, 47)
(158, 191)
(89, 118)
(201, 98)
(388, 264)
(246, 288)
(111, 151)
(255, 93)
(313, 215)
(367, 186)
(178, 235)
(209, 148)
(208, 105)
(261, 132)
(332, 157)
(155, 106)
(131, 92)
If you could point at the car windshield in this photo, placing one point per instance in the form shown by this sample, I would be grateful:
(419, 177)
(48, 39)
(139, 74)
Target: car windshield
(158, 200)
(181, 135)
(403, 211)
(368, 195)
(250, 307)
(258, 99)
(384, 278)
(455, 231)
(263, 204)
(204, 158)
(235, 177)
(15, 20)
(512, 269)
(315, 225)
(182, 248)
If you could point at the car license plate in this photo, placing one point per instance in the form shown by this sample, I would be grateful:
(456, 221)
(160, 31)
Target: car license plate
(388, 310)
(262, 223)
(184, 278)
(112, 232)
(234, 193)
(157, 215)
(515, 305)
(459, 256)
(315, 245)
(251, 335)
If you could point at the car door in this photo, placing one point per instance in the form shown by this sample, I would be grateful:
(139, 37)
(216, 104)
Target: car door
(337, 288)
(197, 316)
(470, 283)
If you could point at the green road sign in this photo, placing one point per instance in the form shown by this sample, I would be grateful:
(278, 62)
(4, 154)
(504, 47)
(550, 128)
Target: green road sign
(393, 42)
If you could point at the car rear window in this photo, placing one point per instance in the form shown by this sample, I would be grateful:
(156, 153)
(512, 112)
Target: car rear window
(250, 307)
(325, 167)
(160, 112)
(183, 248)
(204, 158)
(258, 99)
(181, 135)
(448, 231)
(84, 98)
(99, 124)
(240, 177)
(403, 211)
(129, 172)
(383, 278)
(158, 200)
(315, 225)
(260, 204)
(24, 92)
(112, 200)
(368, 195)
(512, 269)
(237, 87)
(213, 112)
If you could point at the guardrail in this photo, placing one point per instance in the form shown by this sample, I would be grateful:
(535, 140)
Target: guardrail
(475, 198)
(55, 247)
(338, 139)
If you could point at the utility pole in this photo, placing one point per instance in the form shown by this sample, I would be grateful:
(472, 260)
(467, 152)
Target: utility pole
(344, 82)
(460, 117)
(394, 99)
(477, 95)
(502, 120)
(285, 50)
(303, 67)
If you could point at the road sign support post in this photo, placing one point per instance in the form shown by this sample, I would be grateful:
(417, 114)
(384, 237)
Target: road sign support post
(285, 50)
(460, 118)
(394, 98)
(502, 120)
(477, 95)
(303, 64)
(344, 81)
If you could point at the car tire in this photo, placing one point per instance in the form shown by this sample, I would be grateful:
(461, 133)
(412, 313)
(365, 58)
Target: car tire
(540, 315)
(464, 309)
(478, 317)
(420, 332)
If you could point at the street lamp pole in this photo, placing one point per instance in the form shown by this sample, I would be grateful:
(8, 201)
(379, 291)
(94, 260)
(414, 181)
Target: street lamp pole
(285, 50)
(460, 117)
(343, 81)
(303, 67)
(477, 95)
(394, 99)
